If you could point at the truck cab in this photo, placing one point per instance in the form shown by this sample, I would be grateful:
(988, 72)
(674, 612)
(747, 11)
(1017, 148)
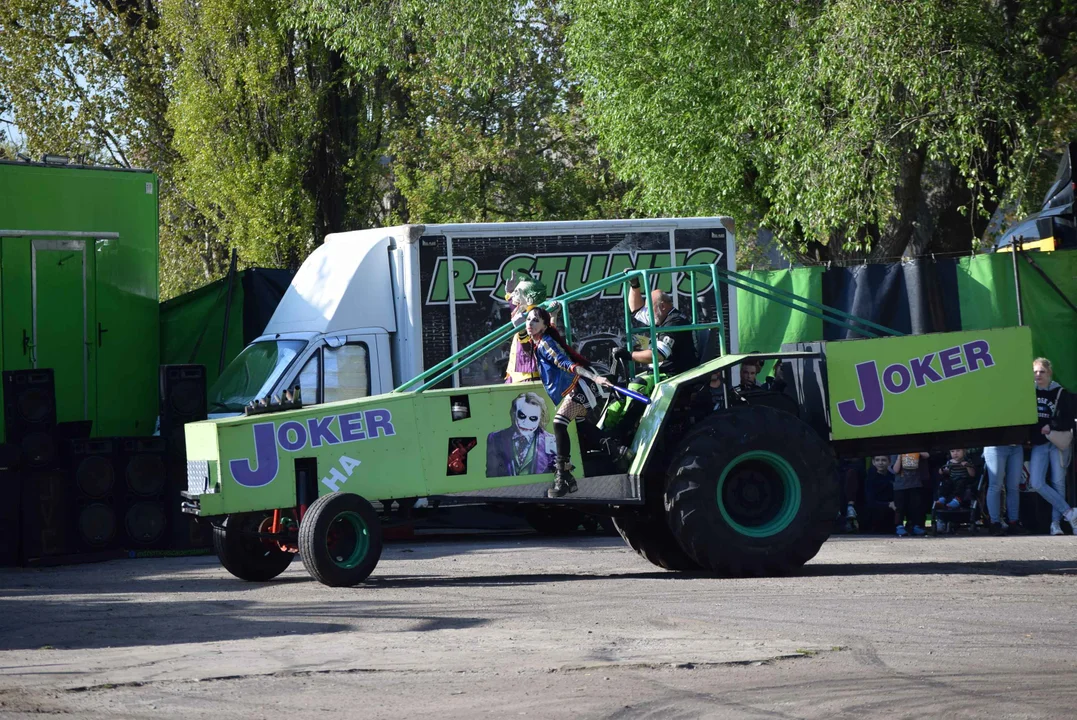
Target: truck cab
(342, 330)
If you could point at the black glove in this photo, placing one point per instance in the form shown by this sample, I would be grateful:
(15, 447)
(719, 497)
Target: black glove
(634, 281)
(622, 354)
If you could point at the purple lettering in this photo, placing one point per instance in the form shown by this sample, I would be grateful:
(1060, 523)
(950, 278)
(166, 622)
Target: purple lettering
(379, 420)
(904, 378)
(351, 427)
(265, 458)
(978, 352)
(951, 362)
(285, 439)
(320, 431)
(871, 393)
(922, 372)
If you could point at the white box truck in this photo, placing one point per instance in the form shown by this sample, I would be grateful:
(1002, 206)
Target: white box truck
(371, 309)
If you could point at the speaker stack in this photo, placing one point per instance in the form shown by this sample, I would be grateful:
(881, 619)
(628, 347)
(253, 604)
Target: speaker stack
(10, 506)
(183, 400)
(30, 422)
(97, 501)
(146, 497)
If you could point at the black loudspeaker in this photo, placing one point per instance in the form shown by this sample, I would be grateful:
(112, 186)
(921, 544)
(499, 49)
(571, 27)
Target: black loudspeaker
(11, 507)
(97, 497)
(146, 496)
(46, 514)
(183, 400)
(30, 416)
(1035, 513)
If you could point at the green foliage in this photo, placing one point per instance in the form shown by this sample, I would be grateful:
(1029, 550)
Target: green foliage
(244, 112)
(482, 119)
(85, 79)
(850, 123)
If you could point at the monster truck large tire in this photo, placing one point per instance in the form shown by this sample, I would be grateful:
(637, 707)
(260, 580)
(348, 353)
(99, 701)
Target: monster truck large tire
(246, 555)
(340, 539)
(648, 534)
(751, 491)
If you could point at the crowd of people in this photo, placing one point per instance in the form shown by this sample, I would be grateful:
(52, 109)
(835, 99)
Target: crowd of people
(896, 494)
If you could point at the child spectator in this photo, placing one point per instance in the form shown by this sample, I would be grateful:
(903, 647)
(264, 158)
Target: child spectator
(879, 496)
(957, 484)
(907, 484)
(850, 474)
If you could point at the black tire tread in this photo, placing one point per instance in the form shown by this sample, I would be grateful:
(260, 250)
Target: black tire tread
(234, 550)
(693, 517)
(649, 535)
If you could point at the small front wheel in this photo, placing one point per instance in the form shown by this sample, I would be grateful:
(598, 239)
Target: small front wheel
(340, 539)
(244, 552)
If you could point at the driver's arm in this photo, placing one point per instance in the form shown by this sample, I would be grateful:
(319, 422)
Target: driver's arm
(635, 297)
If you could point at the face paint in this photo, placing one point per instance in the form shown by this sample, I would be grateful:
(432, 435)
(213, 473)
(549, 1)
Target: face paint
(526, 417)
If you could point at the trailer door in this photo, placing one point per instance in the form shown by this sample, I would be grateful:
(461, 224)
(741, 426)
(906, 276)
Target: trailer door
(60, 317)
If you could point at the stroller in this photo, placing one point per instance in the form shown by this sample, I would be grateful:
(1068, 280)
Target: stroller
(952, 519)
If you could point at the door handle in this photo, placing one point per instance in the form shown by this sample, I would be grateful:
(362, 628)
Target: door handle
(28, 348)
(100, 331)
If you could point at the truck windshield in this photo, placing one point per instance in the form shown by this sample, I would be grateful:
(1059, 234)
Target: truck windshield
(252, 374)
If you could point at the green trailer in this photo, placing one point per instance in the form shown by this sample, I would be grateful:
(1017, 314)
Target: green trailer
(78, 289)
(746, 490)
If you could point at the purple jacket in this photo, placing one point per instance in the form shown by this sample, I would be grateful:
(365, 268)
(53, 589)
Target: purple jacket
(501, 461)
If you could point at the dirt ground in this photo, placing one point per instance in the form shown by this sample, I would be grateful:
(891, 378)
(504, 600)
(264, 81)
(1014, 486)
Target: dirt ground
(564, 628)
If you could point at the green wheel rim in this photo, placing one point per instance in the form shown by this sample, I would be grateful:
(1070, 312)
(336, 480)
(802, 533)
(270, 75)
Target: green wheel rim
(758, 494)
(349, 540)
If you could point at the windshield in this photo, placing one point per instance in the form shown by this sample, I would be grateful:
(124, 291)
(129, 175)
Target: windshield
(252, 374)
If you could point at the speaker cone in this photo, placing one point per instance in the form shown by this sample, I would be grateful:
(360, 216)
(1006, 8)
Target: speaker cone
(95, 476)
(146, 475)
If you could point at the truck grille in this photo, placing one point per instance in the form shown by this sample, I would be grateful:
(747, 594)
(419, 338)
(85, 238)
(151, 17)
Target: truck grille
(197, 477)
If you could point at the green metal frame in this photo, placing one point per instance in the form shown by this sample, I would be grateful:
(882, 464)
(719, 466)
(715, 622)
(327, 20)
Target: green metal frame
(453, 364)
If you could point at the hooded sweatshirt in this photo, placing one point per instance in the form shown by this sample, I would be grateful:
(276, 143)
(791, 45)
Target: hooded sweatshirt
(1046, 399)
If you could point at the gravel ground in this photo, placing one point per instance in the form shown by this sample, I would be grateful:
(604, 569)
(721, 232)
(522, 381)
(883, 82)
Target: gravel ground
(564, 628)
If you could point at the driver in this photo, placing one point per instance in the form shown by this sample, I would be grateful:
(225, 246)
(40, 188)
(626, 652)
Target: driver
(676, 350)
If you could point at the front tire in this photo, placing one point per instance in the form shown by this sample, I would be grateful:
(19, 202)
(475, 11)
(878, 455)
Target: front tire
(340, 539)
(751, 491)
(246, 555)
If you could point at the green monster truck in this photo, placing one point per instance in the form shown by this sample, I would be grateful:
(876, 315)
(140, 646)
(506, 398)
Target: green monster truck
(746, 490)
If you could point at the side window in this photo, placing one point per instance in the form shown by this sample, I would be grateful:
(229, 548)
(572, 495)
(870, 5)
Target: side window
(308, 380)
(347, 372)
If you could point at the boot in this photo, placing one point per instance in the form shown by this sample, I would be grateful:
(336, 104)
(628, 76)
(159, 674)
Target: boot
(563, 482)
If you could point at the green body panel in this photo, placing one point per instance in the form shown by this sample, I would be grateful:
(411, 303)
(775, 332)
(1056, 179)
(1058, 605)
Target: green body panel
(109, 377)
(409, 461)
(931, 383)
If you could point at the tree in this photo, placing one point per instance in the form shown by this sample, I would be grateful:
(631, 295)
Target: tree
(482, 119)
(85, 79)
(849, 127)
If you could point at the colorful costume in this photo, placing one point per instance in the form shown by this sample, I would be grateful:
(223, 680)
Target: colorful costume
(523, 294)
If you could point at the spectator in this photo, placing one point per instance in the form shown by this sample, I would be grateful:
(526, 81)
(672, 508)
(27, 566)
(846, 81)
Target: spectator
(957, 484)
(749, 372)
(908, 513)
(879, 496)
(1004, 464)
(851, 474)
(709, 398)
(1055, 409)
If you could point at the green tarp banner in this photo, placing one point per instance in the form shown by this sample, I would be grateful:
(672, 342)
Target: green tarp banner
(192, 327)
(986, 288)
(763, 325)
